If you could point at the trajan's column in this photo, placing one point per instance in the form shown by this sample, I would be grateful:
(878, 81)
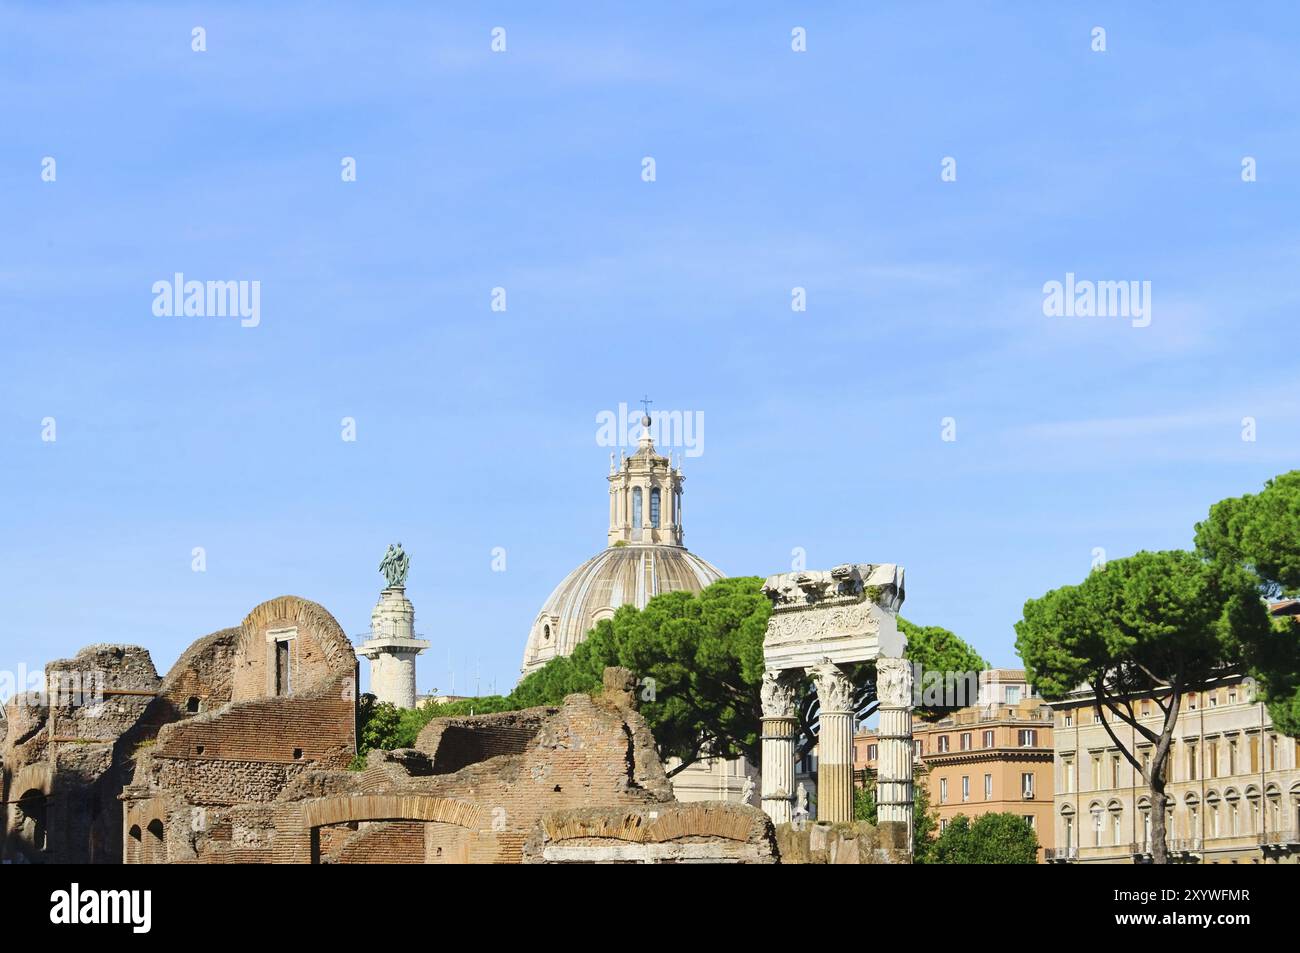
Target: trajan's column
(392, 646)
(821, 622)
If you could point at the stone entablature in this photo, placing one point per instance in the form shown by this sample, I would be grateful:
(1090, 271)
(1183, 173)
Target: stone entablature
(847, 614)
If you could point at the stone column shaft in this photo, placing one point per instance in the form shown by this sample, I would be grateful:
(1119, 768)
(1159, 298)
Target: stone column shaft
(778, 769)
(894, 780)
(834, 745)
(779, 724)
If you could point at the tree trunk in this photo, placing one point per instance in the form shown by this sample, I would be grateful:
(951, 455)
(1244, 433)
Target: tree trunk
(1158, 775)
(1159, 849)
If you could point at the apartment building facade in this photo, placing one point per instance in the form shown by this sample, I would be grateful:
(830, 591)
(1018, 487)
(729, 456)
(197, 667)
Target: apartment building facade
(1234, 785)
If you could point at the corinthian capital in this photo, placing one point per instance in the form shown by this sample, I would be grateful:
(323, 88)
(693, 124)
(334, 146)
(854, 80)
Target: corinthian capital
(834, 689)
(894, 682)
(777, 694)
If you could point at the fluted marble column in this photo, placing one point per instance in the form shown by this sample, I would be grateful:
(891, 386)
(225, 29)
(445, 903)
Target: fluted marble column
(894, 782)
(778, 698)
(834, 744)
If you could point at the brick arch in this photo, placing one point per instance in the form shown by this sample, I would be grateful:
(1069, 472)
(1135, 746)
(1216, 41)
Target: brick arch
(393, 807)
(143, 812)
(334, 643)
(33, 777)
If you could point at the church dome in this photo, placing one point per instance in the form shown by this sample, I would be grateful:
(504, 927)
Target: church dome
(646, 556)
(621, 575)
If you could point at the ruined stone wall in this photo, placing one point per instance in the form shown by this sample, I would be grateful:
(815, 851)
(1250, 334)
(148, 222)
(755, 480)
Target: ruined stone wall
(587, 752)
(400, 842)
(453, 743)
(250, 752)
(199, 682)
(856, 842)
(74, 740)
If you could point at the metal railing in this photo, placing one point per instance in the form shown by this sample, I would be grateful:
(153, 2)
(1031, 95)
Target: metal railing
(1060, 854)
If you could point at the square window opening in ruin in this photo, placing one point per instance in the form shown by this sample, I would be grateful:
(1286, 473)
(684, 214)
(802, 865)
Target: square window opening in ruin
(198, 749)
(297, 754)
(192, 705)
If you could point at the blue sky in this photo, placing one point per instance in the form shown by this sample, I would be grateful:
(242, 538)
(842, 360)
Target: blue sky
(477, 429)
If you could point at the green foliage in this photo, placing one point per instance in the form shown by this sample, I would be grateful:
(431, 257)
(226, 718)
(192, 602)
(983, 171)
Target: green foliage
(938, 650)
(1260, 532)
(698, 659)
(379, 725)
(1152, 619)
(1141, 625)
(924, 821)
(989, 839)
(385, 727)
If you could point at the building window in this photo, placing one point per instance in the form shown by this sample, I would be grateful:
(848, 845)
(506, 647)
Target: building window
(1067, 719)
(1191, 761)
(1031, 821)
(1096, 772)
(943, 743)
(1212, 759)
(1232, 756)
(871, 752)
(636, 510)
(1069, 831)
(1114, 770)
(1012, 694)
(282, 683)
(988, 787)
(654, 507)
(1027, 785)
(1028, 737)
(943, 790)
(919, 747)
(1067, 771)
(988, 739)
(965, 741)
(965, 787)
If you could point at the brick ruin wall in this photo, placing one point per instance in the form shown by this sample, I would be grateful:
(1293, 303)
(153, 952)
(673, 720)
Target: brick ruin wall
(455, 743)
